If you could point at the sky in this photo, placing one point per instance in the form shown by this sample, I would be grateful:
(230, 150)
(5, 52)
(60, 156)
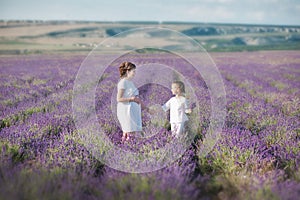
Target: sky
(273, 12)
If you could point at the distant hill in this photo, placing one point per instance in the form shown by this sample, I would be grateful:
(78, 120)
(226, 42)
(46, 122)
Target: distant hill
(43, 36)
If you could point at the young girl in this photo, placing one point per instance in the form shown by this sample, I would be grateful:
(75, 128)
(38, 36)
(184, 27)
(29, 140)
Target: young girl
(129, 104)
(178, 108)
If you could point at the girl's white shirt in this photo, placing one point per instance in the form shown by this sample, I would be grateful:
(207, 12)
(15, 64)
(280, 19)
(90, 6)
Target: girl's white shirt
(178, 107)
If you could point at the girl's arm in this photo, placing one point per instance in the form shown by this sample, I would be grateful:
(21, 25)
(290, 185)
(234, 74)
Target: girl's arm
(167, 105)
(187, 109)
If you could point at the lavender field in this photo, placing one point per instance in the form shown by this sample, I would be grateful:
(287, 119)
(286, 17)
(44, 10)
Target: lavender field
(257, 157)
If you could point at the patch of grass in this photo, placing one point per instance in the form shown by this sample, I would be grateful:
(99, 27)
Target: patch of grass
(12, 151)
(23, 115)
(279, 85)
(135, 186)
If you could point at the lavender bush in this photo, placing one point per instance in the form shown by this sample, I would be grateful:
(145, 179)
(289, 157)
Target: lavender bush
(257, 156)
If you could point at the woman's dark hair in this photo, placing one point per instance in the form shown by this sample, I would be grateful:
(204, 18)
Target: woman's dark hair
(124, 67)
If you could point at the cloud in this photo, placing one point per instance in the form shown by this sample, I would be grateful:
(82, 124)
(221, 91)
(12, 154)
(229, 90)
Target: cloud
(223, 11)
(247, 11)
(214, 1)
(256, 16)
(212, 14)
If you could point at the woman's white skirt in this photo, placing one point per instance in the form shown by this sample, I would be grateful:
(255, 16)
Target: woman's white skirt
(130, 116)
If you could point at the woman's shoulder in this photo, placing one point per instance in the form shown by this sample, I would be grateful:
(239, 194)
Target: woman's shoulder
(122, 82)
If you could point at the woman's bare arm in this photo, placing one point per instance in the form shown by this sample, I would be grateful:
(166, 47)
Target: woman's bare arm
(121, 98)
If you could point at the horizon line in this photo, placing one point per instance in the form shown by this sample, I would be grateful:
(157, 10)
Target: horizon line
(145, 21)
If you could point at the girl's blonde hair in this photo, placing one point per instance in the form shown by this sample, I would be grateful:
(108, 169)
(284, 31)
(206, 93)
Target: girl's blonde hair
(180, 85)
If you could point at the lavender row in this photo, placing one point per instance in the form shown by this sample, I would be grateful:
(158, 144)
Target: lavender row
(255, 158)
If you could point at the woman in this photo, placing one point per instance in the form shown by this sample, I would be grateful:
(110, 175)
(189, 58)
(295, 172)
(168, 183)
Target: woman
(129, 104)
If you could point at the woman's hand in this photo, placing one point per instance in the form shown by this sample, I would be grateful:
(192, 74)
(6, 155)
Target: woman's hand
(135, 99)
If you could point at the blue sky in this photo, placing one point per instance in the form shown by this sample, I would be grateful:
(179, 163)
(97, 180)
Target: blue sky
(283, 12)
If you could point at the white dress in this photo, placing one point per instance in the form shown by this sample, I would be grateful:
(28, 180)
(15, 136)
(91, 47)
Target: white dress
(129, 113)
(178, 108)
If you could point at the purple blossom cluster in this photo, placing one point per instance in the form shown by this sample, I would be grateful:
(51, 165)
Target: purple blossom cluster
(256, 157)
